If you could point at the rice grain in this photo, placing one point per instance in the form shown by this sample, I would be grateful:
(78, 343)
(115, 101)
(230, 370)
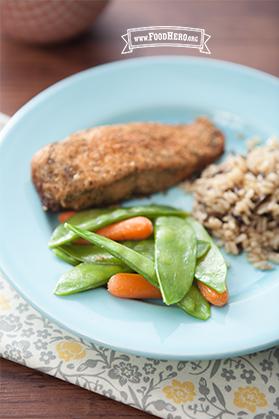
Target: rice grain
(238, 202)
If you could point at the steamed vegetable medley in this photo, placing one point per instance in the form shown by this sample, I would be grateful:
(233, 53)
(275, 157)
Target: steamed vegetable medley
(142, 252)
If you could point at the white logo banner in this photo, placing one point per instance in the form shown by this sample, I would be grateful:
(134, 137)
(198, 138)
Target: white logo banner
(166, 36)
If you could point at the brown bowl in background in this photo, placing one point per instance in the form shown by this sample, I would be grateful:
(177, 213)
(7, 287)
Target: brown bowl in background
(48, 21)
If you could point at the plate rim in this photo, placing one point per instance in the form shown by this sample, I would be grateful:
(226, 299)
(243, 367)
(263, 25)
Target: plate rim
(60, 84)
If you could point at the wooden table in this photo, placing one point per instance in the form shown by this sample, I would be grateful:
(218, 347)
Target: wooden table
(244, 31)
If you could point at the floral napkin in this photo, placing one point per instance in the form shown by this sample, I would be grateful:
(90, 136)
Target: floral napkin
(242, 387)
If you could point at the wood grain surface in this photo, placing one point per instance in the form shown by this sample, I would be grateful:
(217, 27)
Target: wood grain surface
(26, 393)
(243, 31)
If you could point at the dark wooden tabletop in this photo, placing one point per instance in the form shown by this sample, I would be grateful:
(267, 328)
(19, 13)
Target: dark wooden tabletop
(243, 31)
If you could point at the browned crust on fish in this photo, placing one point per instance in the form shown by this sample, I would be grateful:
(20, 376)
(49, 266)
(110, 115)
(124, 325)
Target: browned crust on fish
(107, 164)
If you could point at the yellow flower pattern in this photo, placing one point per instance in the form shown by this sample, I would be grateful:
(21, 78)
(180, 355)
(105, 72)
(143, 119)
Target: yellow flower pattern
(249, 398)
(4, 303)
(180, 391)
(70, 350)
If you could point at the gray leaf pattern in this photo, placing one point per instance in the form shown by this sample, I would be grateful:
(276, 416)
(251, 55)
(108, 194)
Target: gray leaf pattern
(242, 387)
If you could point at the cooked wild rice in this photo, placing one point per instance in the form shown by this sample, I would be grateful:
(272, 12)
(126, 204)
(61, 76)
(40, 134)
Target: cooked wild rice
(238, 202)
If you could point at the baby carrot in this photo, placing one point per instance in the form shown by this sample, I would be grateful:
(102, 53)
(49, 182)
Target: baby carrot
(212, 296)
(126, 285)
(136, 228)
(64, 216)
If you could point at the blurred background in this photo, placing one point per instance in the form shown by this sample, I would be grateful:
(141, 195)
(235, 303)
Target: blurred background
(43, 41)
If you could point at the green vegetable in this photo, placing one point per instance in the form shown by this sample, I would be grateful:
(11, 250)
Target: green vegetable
(89, 254)
(94, 219)
(61, 235)
(140, 264)
(144, 247)
(212, 268)
(133, 259)
(86, 276)
(93, 254)
(175, 257)
(61, 254)
(75, 253)
(195, 304)
(202, 248)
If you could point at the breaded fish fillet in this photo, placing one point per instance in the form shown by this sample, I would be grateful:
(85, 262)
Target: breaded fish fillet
(107, 164)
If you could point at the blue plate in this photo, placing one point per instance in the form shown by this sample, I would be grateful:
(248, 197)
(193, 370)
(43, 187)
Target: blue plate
(241, 101)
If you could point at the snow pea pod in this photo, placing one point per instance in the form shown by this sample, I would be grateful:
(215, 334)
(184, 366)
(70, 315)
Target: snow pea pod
(142, 265)
(74, 253)
(212, 268)
(175, 257)
(93, 254)
(86, 276)
(202, 248)
(195, 304)
(130, 257)
(89, 254)
(146, 247)
(61, 235)
(61, 254)
(107, 217)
